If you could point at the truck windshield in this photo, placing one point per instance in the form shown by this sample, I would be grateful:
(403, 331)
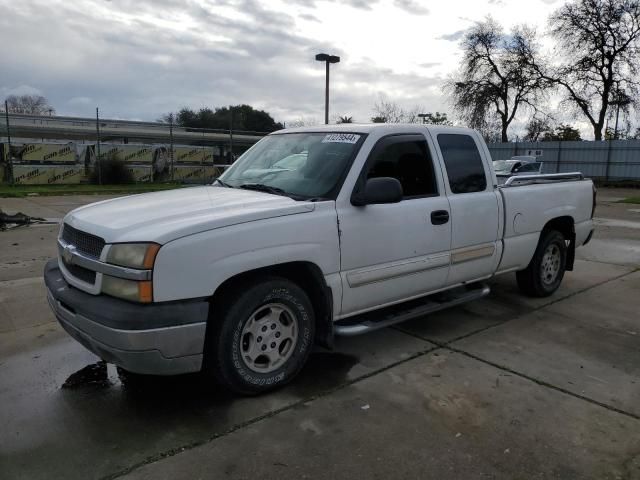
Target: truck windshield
(300, 165)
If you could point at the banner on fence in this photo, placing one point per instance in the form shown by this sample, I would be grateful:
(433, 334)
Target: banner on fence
(47, 152)
(47, 174)
(195, 172)
(128, 153)
(193, 154)
(141, 173)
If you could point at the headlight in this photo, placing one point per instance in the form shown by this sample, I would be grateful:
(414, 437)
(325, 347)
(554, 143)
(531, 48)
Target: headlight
(140, 256)
(128, 289)
(133, 255)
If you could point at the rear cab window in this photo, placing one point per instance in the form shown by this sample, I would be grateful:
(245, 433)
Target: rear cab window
(463, 162)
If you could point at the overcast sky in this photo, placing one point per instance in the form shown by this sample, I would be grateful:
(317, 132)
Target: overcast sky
(137, 59)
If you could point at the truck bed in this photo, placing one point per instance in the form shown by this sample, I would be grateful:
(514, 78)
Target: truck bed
(529, 202)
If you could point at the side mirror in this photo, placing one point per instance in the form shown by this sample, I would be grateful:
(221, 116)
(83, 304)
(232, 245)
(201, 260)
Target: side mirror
(379, 190)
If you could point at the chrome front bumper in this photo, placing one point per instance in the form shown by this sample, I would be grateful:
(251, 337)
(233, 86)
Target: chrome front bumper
(99, 323)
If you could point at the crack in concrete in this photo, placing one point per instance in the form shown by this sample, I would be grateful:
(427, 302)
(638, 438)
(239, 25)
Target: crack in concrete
(529, 311)
(438, 346)
(447, 346)
(189, 446)
(543, 383)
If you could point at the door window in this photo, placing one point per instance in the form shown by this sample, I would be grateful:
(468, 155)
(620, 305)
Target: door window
(407, 159)
(463, 162)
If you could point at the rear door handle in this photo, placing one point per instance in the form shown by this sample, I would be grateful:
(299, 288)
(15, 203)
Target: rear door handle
(439, 217)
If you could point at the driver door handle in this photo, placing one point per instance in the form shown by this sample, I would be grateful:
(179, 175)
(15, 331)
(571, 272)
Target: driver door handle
(439, 217)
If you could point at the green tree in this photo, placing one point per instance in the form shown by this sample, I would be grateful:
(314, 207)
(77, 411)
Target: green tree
(437, 119)
(562, 133)
(242, 117)
(345, 119)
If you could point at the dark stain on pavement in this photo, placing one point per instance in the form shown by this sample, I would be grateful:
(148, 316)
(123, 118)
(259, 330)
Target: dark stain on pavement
(323, 371)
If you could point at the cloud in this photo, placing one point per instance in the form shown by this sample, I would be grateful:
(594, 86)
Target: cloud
(453, 37)
(20, 90)
(140, 59)
(412, 6)
(308, 17)
(80, 101)
(359, 4)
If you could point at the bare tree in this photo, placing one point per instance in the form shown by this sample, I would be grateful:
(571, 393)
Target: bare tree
(387, 111)
(29, 105)
(599, 48)
(536, 128)
(491, 129)
(303, 121)
(494, 78)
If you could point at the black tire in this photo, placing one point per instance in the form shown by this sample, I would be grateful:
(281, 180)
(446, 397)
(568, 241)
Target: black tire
(224, 356)
(540, 278)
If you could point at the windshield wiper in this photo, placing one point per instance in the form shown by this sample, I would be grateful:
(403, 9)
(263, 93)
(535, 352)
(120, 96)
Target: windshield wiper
(263, 188)
(223, 183)
(316, 199)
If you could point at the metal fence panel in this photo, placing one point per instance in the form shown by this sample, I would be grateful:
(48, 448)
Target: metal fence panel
(610, 160)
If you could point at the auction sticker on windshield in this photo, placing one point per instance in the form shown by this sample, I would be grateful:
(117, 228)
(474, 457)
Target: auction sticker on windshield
(341, 138)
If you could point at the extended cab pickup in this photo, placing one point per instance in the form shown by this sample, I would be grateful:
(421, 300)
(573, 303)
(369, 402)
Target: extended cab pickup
(313, 232)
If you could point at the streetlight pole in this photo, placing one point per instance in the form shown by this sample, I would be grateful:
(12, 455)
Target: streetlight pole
(325, 57)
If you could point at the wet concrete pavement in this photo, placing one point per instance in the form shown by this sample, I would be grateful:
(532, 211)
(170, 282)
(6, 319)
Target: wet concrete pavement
(505, 387)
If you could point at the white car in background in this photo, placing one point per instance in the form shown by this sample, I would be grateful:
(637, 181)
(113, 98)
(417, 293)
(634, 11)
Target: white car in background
(516, 166)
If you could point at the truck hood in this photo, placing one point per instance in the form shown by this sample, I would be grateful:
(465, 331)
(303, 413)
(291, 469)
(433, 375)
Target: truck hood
(164, 216)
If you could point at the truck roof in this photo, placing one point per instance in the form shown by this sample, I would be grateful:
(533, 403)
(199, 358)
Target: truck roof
(376, 127)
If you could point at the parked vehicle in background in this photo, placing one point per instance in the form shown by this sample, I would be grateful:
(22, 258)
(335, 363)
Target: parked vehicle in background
(518, 165)
(376, 224)
(506, 167)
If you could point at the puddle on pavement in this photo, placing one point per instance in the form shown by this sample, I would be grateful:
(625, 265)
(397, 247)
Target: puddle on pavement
(324, 370)
(91, 375)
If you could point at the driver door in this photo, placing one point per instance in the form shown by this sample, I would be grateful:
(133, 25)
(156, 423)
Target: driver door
(394, 252)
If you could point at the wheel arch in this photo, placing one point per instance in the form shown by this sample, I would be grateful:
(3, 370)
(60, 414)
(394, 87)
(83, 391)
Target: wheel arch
(566, 226)
(307, 275)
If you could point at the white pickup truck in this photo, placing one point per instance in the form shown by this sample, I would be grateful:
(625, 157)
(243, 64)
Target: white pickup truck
(313, 232)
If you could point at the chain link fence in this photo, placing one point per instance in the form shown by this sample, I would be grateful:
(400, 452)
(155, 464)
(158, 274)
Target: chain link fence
(67, 150)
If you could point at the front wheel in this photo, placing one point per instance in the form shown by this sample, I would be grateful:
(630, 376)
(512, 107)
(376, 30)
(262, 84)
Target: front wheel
(544, 273)
(261, 338)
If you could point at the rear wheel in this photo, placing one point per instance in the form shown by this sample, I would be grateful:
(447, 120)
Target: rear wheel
(544, 273)
(262, 337)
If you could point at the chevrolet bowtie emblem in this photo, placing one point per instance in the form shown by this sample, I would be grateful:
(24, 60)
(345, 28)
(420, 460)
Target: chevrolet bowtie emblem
(67, 253)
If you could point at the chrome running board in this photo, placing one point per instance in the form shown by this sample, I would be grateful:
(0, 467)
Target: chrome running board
(388, 316)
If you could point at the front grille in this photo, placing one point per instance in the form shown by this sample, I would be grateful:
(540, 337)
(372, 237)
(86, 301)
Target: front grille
(85, 243)
(81, 273)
